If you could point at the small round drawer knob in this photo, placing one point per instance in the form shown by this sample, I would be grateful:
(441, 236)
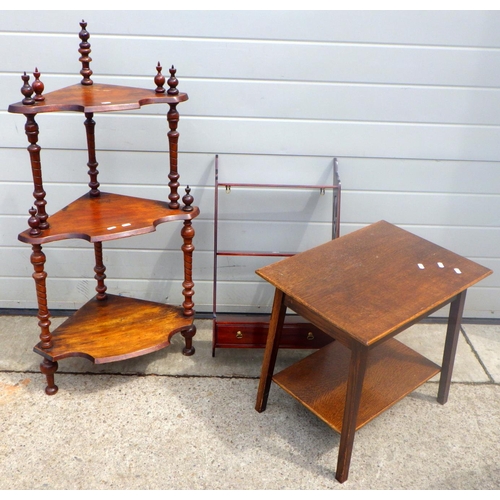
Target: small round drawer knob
(310, 336)
(239, 335)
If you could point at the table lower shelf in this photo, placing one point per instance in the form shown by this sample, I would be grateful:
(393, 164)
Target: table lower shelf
(319, 381)
(115, 329)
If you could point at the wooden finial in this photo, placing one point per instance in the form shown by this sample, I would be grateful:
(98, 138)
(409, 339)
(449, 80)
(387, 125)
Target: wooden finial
(33, 222)
(172, 82)
(187, 199)
(38, 86)
(85, 59)
(159, 80)
(27, 90)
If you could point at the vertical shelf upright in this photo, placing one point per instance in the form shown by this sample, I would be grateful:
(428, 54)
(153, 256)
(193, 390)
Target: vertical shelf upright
(250, 330)
(108, 327)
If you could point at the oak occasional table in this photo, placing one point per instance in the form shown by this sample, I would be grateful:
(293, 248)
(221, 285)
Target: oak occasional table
(363, 289)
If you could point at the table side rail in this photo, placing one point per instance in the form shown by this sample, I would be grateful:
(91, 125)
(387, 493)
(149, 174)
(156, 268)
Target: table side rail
(346, 339)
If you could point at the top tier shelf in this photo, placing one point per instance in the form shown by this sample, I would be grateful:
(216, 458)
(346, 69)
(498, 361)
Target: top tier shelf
(96, 98)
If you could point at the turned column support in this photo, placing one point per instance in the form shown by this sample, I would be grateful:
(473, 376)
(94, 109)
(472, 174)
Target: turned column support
(187, 234)
(31, 129)
(47, 367)
(38, 260)
(173, 140)
(99, 270)
(92, 163)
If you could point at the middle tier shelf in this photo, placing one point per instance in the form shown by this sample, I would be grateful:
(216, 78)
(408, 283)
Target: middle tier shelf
(107, 217)
(115, 329)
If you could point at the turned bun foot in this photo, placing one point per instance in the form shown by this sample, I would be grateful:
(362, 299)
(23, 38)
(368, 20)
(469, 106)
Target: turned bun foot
(51, 390)
(188, 335)
(188, 352)
(48, 368)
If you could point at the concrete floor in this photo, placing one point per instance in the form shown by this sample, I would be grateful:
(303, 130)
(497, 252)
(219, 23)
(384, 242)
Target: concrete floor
(169, 422)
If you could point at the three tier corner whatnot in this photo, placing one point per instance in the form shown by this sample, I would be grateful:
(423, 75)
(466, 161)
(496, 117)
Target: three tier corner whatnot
(108, 327)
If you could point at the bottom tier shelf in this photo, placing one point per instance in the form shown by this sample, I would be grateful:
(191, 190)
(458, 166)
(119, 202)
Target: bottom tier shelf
(115, 329)
(319, 381)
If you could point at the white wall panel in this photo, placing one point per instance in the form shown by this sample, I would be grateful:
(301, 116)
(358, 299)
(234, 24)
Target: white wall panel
(70, 293)
(271, 136)
(454, 28)
(409, 101)
(263, 60)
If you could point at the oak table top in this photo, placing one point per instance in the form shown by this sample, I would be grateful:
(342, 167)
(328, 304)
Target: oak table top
(370, 283)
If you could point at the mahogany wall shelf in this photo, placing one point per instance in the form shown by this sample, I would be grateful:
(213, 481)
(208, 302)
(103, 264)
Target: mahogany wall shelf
(238, 330)
(108, 327)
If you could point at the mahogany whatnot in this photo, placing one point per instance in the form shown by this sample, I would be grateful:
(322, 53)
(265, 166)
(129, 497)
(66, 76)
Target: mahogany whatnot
(108, 327)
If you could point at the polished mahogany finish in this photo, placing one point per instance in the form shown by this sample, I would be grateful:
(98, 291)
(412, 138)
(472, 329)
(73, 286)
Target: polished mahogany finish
(363, 289)
(107, 328)
(97, 331)
(107, 217)
(96, 98)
